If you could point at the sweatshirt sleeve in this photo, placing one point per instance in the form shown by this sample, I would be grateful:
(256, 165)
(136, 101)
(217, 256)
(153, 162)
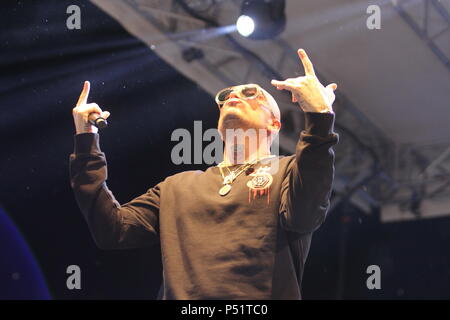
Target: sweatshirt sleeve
(113, 226)
(307, 185)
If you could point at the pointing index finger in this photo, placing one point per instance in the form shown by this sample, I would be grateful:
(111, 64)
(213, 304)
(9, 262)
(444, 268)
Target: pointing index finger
(282, 85)
(84, 94)
(307, 64)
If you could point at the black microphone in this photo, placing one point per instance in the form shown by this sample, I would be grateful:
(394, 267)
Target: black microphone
(97, 121)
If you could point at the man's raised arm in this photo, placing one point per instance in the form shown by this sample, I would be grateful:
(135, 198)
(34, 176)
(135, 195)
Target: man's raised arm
(113, 226)
(306, 189)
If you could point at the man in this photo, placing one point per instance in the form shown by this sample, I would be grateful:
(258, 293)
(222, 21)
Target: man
(239, 230)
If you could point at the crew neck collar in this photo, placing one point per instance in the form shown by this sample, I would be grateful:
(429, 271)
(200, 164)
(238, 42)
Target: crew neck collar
(242, 164)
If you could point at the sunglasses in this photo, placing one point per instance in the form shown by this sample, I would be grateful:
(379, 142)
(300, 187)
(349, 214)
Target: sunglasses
(248, 91)
(243, 92)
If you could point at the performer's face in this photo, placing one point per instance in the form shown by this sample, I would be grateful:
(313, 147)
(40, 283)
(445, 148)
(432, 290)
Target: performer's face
(240, 112)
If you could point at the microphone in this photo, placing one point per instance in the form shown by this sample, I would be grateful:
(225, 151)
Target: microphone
(97, 121)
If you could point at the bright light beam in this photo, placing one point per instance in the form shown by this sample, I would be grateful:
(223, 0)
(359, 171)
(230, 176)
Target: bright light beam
(245, 25)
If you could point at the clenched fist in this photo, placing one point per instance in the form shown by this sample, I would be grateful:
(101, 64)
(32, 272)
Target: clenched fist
(310, 94)
(82, 111)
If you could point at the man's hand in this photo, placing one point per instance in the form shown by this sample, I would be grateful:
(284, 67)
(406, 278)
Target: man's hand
(310, 94)
(83, 109)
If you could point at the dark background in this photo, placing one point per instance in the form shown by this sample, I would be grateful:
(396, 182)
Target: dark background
(43, 66)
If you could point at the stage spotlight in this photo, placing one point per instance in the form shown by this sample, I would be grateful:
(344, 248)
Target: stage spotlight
(245, 25)
(261, 19)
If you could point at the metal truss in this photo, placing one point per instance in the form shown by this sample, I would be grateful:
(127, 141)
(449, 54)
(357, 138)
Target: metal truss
(194, 36)
(430, 20)
(420, 174)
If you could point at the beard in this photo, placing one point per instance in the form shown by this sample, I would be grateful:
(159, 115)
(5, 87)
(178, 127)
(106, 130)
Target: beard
(236, 130)
(235, 120)
(232, 121)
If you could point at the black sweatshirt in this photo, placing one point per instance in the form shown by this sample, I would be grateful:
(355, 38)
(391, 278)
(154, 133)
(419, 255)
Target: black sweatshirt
(249, 244)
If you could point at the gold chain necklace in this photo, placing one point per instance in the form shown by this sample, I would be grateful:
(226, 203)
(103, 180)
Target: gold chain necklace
(228, 179)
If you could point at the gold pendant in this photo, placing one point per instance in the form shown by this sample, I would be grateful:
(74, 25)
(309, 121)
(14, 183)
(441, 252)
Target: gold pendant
(225, 189)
